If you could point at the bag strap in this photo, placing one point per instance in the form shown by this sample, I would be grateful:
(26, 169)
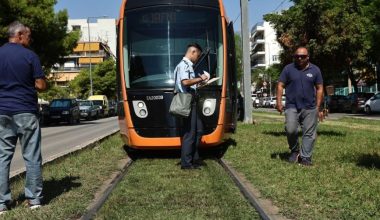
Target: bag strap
(175, 78)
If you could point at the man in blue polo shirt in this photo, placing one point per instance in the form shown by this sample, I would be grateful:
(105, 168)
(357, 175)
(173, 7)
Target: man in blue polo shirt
(304, 93)
(21, 76)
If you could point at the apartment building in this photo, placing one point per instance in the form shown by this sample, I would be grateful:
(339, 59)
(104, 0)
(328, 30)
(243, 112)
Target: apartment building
(265, 50)
(83, 55)
(97, 43)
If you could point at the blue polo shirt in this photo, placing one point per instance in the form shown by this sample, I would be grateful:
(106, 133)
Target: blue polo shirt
(300, 86)
(19, 67)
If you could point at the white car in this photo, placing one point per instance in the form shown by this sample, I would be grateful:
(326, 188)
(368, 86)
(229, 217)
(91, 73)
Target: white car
(373, 104)
(272, 102)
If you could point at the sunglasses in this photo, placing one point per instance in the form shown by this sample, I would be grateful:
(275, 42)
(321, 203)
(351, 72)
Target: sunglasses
(300, 56)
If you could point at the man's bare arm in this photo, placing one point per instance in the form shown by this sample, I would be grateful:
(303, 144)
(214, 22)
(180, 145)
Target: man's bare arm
(280, 90)
(40, 85)
(319, 88)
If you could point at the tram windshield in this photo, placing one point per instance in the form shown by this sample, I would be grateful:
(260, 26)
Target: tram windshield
(155, 40)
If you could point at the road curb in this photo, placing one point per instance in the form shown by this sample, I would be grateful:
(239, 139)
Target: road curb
(65, 153)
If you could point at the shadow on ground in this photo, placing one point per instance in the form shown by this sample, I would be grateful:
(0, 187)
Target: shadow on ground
(52, 189)
(55, 187)
(213, 152)
(323, 133)
(280, 155)
(369, 161)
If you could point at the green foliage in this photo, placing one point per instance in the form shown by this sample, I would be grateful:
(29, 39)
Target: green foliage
(103, 80)
(55, 92)
(49, 30)
(269, 75)
(239, 57)
(70, 183)
(158, 189)
(342, 184)
(336, 33)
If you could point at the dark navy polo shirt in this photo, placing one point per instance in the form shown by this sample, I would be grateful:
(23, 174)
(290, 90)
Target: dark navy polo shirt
(300, 85)
(19, 67)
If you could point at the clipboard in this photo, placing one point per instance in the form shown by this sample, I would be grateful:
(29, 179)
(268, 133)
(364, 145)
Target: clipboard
(208, 82)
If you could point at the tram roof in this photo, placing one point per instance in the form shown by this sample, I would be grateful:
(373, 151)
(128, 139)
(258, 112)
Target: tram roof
(144, 3)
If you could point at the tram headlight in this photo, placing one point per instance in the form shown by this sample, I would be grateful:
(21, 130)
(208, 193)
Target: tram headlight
(140, 104)
(140, 109)
(142, 112)
(209, 107)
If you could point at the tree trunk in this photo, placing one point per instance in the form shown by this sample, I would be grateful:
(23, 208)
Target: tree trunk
(354, 83)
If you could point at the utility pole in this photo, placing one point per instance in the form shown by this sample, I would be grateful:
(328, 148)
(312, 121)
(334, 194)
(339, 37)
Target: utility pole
(246, 62)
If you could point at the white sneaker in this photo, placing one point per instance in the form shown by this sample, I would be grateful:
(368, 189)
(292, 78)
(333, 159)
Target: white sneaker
(34, 206)
(3, 210)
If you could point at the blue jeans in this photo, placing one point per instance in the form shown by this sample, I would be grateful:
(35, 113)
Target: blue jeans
(307, 119)
(26, 128)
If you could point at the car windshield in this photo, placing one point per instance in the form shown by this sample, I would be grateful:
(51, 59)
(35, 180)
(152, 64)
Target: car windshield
(155, 40)
(97, 102)
(84, 103)
(60, 103)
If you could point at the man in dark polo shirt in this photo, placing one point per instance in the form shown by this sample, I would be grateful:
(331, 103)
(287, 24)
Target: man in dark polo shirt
(21, 76)
(303, 86)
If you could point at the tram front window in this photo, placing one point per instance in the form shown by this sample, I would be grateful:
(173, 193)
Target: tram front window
(155, 41)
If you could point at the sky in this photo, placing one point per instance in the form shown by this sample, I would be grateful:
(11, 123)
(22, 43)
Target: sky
(93, 8)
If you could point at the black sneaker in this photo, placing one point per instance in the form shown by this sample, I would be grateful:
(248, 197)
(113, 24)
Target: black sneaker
(199, 163)
(294, 157)
(306, 161)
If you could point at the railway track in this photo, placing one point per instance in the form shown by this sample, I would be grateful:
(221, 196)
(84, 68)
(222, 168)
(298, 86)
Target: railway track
(105, 191)
(264, 207)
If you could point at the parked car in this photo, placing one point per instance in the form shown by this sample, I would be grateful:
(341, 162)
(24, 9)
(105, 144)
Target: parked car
(337, 103)
(43, 110)
(272, 102)
(373, 104)
(112, 111)
(102, 102)
(88, 110)
(358, 101)
(64, 110)
(255, 100)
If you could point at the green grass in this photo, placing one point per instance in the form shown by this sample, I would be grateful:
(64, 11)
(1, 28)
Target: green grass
(70, 183)
(344, 183)
(158, 189)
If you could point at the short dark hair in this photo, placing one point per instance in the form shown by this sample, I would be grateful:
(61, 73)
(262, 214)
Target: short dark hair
(195, 45)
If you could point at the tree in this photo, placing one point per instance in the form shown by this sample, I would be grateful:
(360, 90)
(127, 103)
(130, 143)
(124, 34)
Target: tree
(336, 33)
(372, 11)
(103, 80)
(239, 57)
(51, 41)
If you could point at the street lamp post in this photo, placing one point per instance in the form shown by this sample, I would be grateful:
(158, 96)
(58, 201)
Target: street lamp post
(89, 50)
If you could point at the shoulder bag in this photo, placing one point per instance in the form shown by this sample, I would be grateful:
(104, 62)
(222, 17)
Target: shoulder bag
(181, 103)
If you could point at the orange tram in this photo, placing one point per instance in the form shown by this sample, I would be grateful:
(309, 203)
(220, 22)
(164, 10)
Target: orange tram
(152, 39)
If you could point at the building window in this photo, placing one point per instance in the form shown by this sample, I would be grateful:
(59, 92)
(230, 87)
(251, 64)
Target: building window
(276, 58)
(76, 27)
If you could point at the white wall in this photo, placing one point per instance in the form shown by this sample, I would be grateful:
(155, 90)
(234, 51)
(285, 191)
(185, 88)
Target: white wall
(101, 29)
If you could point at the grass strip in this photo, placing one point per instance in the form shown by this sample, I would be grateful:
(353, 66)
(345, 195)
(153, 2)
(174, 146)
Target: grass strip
(158, 189)
(343, 183)
(70, 183)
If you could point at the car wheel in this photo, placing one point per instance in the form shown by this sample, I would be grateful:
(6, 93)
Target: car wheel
(354, 110)
(367, 109)
(71, 120)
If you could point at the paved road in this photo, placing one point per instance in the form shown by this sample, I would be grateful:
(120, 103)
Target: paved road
(62, 138)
